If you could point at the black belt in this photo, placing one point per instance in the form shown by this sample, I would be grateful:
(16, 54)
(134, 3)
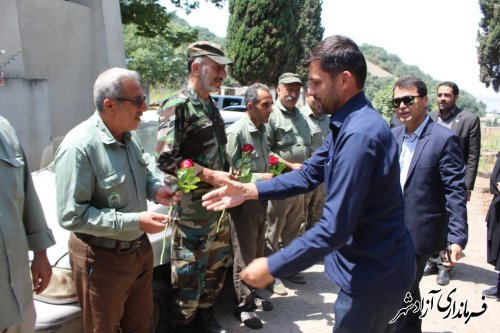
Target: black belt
(112, 244)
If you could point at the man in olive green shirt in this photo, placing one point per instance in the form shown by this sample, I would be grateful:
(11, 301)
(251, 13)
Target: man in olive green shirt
(22, 229)
(319, 125)
(103, 185)
(248, 220)
(290, 139)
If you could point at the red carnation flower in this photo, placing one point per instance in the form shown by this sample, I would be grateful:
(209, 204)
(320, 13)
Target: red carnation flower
(273, 160)
(248, 148)
(186, 164)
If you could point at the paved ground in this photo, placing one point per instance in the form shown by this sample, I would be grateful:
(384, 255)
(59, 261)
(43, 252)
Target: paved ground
(308, 308)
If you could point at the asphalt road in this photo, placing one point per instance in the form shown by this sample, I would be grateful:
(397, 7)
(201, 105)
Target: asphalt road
(309, 308)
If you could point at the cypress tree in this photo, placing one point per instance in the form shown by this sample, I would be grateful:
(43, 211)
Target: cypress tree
(268, 38)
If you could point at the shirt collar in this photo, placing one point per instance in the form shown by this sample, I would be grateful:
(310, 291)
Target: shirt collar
(192, 95)
(283, 109)
(453, 113)
(357, 102)
(103, 131)
(250, 125)
(309, 112)
(417, 132)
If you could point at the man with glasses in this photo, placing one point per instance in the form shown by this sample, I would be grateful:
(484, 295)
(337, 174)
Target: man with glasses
(467, 126)
(192, 128)
(362, 237)
(102, 183)
(432, 180)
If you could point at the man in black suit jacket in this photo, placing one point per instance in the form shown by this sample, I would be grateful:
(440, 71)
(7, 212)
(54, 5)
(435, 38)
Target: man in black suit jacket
(432, 179)
(467, 126)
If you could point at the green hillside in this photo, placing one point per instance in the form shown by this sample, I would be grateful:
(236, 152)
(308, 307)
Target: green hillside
(393, 64)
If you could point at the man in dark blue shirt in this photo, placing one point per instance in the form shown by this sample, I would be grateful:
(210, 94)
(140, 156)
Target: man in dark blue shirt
(369, 252)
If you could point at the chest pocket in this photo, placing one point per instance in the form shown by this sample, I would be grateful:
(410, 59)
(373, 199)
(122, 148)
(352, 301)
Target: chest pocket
(113, 187)
(14, 176)
(284, 136)
(16, 162)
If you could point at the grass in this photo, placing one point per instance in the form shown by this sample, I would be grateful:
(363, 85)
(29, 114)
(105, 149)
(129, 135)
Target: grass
(490, 145)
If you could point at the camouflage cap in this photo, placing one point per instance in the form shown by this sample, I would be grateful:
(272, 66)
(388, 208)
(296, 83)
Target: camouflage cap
(212, 50)
(287, 78)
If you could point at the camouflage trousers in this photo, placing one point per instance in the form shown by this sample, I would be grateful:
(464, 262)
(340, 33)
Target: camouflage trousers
(314, 202)
(199, 260)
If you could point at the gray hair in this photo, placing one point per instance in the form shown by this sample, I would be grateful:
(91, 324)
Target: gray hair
(109, 84)
(252, 93)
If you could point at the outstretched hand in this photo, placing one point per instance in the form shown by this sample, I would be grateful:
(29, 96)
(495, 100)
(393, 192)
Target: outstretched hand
(232, 194)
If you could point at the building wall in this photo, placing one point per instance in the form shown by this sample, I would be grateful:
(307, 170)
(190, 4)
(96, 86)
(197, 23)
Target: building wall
(64, 44)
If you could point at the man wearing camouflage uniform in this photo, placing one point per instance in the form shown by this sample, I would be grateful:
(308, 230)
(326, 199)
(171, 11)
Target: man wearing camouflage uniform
(191, 127)
(290, 139)
(319, 124)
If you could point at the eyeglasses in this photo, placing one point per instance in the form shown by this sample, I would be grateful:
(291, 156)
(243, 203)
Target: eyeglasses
(407, 100)
(136, 101)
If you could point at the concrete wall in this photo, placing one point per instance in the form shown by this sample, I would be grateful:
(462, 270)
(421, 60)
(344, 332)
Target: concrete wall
(64, 44)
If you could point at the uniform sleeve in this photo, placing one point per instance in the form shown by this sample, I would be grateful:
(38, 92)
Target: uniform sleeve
(170, 137)
(75, 183)
(233, 147)
(39, 235)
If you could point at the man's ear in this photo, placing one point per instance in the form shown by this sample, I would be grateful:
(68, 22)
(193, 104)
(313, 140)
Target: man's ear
(347, 77)
(426, 101)
(195, 67)
(108, 104)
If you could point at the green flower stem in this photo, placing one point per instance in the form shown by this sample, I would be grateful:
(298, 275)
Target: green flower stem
(170, 211)
(220, 221)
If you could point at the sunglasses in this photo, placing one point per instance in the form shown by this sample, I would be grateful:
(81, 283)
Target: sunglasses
(136, 101)
(407, 100)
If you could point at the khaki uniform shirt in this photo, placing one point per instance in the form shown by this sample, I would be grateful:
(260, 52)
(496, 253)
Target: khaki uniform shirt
(102, 184)
(22, 228)
(319, 126)
(288, 134)
(242, 132)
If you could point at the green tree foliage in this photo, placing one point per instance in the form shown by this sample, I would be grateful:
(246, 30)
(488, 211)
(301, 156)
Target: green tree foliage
(267, 38)
(383, 102)
(156, 59)
(309, 29)
(152, 19)
(489, 44)
(393, 64)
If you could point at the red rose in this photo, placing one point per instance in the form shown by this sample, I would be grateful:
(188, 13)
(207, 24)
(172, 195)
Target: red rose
(273, 160)
(248, 148)
(186, 164)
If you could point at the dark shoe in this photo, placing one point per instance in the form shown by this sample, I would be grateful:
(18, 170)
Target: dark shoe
(430, 268)
(205, 322)
(184, 328)
(262, 304)
(491, 293)
(296, 278)
(443, 277)
(249, 319)
(278, 288)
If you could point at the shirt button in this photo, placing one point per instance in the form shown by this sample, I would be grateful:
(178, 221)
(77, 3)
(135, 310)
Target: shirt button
(12, 284)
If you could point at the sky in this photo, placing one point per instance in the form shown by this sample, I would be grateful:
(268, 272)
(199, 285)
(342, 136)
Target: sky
(438, 36)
